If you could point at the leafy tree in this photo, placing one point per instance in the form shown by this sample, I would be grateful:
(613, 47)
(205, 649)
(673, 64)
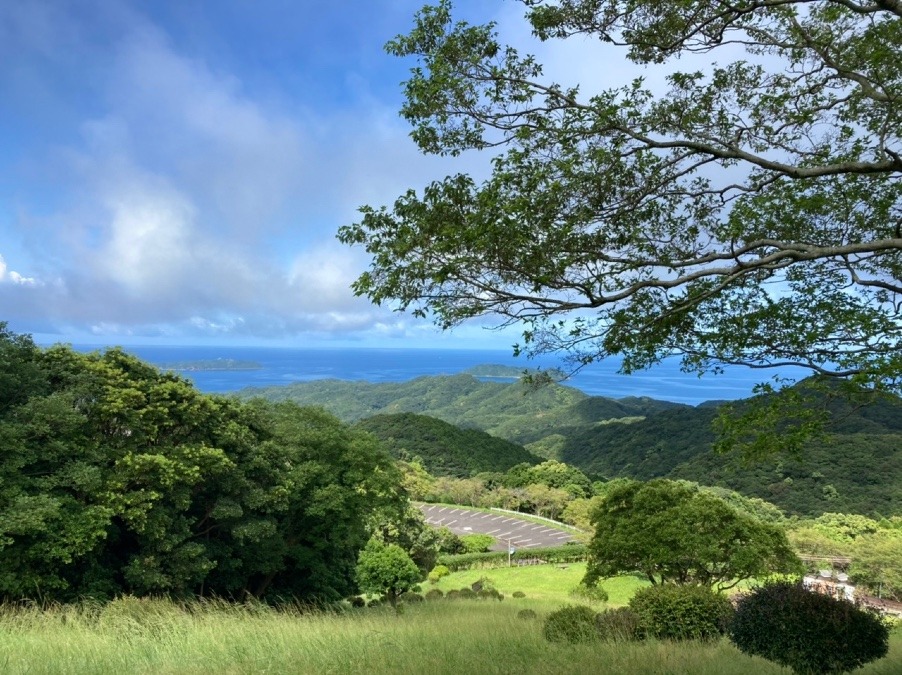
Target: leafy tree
(747, 212)
(117, 478)
(673, 533)
(387, 570)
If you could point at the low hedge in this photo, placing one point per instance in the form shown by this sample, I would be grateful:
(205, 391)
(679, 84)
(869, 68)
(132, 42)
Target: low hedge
(558, 554)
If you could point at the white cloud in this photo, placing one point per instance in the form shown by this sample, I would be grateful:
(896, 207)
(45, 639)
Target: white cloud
(13, 277)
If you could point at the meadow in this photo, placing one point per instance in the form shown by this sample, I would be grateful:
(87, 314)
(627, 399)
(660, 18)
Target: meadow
(462, 636)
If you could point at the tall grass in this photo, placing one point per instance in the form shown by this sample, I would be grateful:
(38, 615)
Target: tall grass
(159, 636)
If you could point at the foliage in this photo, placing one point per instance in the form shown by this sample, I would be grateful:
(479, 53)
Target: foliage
(116, 479)
(477, 543)
(443, 448)
(410, 596)
(386, 569)
(405, 525)
(438, 572)
(808, 632)
(619, 624)
(572, 623)
(527, 614)
(746, 212)
(434, 594)
(671, 532)
(519, 594)
(593, 593)
(671, 612)
(489, 594)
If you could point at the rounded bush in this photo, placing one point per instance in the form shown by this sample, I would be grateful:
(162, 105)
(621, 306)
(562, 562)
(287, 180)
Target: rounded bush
(375, 602)
(435, 594)
(437, 573)
(452, 595)
(519, 594)
(573, 623)
(410, 596)
(671, 612)
(808, 632)
(467, 593)
(591, 593)
(489, 594)
(619, 624)
(357, 601)
(526, 614)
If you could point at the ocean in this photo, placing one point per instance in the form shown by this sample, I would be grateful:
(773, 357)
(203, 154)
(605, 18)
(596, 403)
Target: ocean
(282, 366)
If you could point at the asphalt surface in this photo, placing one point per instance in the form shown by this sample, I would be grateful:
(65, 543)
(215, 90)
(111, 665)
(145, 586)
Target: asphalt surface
(505, 528)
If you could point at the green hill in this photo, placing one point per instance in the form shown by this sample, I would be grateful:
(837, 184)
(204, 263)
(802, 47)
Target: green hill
(444, 448)
(515, 411)
(856, 468)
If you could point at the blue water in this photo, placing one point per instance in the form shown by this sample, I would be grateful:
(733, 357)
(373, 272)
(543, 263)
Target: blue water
(284, 366)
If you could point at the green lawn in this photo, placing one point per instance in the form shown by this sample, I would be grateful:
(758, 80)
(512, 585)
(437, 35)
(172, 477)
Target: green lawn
(549, 584)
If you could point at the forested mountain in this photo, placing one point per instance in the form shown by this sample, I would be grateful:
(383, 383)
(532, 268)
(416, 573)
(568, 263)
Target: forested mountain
(446, 450)
(855, 467)
(513, 411)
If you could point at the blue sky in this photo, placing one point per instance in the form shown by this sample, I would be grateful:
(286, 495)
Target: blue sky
(175, 171)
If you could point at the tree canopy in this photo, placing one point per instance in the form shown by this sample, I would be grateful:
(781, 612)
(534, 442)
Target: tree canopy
(673, 533)
(117, 478)
(748, 212)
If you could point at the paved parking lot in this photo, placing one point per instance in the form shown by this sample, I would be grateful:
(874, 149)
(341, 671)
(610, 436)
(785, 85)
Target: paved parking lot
(507, 529)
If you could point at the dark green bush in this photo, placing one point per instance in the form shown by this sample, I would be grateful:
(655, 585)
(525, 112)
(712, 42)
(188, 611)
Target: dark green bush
(573, 623)
(452, 595)
(357, 601)
(526, 614)
(467, 594)
(410, 596)
(808, 632)
(619, 624)
(672, 612)
(519, 594)
(591, 593)
(489, 594)
(375, 602)
(435, 594)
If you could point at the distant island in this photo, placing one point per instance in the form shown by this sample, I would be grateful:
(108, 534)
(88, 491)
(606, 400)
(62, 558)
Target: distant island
(211, 364)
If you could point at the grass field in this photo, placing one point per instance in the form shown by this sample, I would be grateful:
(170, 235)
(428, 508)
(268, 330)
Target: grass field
(453, 637)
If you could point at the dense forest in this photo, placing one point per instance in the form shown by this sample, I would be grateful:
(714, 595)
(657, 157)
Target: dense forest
(855, 466)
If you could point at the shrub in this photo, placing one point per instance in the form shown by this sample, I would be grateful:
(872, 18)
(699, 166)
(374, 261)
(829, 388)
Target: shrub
(452, 595)
(437, 573)
(590, 592)
(526, 614)
(672, 612)
(482, 583)
(619, 625)
(808, 632)
(519, 594)
(467, 593)
(375, 602)
(477, 543)
(410, 596)
(435, 594)
(357, 601)
(573, 623)
(489, 594)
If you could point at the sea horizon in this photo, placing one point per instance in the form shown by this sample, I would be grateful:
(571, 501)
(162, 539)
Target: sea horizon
(281, 366)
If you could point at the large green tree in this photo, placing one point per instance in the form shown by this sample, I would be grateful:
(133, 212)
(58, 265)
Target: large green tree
(674, 533)
(747, 212)
(117, 478)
